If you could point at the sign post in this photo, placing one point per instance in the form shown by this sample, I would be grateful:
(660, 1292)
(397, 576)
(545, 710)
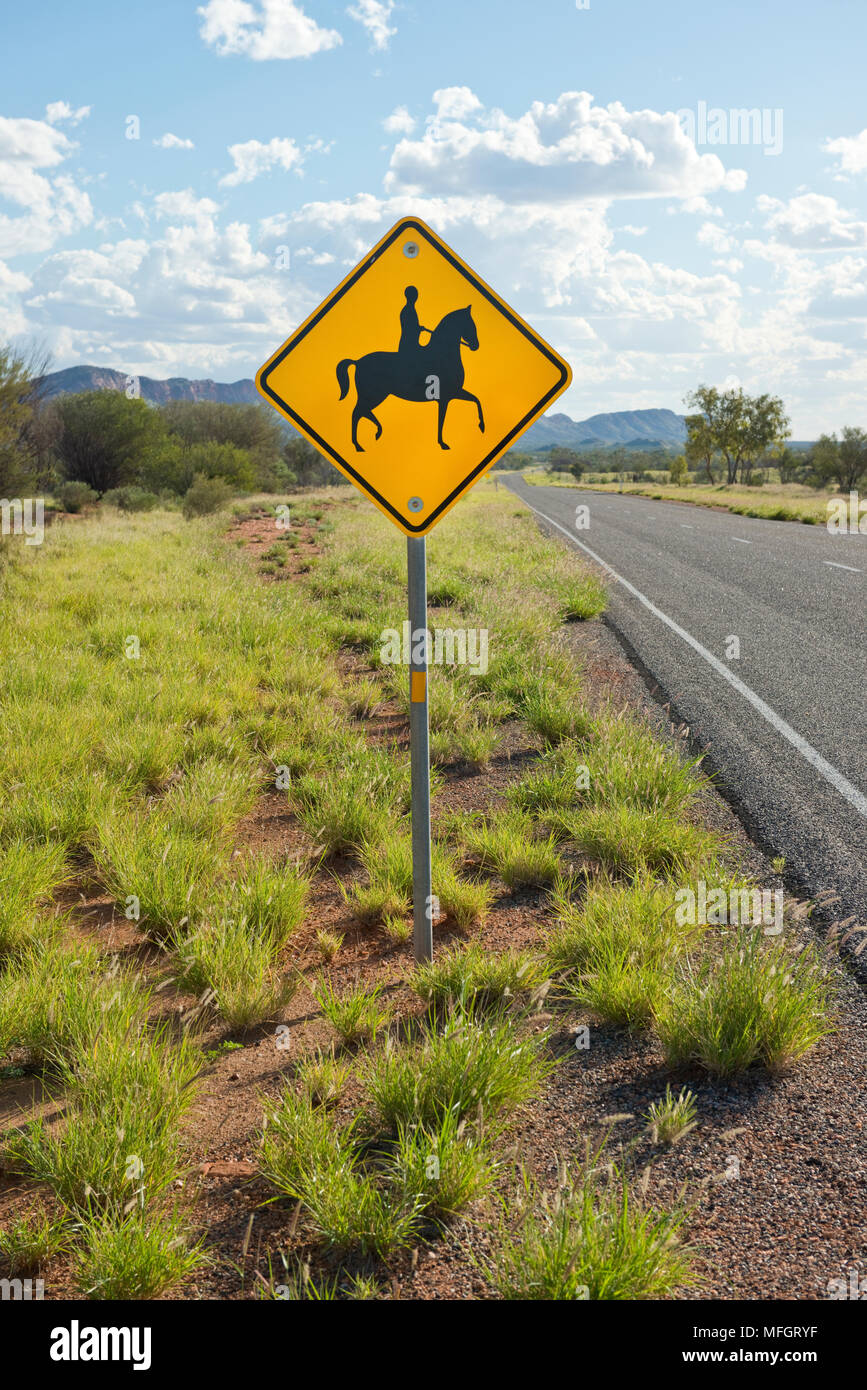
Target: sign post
(423, 907)
(389, 341)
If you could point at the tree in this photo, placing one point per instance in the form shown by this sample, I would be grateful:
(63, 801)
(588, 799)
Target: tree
(679, 471)
(700, 448)
(516, 460)
(565, 461)
(306, 465)
(171, 466)
(105, 439)
(253, 428)
(844, 460)
(618, 458)
(741, 427)
(765, 426)
(788, 462)
(22, 456)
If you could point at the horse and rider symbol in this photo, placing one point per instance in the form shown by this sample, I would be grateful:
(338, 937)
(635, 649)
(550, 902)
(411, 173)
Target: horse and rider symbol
(433, 372)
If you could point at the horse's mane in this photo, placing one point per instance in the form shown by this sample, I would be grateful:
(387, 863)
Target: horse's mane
(452, 314)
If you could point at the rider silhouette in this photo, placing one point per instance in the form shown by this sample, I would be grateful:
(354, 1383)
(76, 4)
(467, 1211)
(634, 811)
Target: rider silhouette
(410, 328)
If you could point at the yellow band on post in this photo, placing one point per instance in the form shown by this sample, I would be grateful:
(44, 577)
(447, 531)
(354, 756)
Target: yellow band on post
(417, 687)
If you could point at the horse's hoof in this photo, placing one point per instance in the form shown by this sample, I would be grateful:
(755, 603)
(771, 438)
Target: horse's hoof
(443, 446)
(358, 449)
(481, 426)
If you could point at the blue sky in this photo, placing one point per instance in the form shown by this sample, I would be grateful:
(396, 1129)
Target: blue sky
(585, 160)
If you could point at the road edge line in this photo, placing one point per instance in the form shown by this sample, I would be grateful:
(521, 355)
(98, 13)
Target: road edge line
(856, 799)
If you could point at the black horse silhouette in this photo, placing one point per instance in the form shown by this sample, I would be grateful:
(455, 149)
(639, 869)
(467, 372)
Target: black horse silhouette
(434, 372)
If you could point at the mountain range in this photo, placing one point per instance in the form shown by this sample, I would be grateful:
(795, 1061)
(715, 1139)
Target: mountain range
(175, 388)
(628, 428)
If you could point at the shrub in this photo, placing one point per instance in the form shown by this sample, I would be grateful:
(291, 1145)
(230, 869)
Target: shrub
(138, 1086)
(444, 1166)
(617, 949)
(137, 1258)
(26, 1244)
(205, 495)
(471, 977)
(594, 1240)
(355, 1015)
(756, 1005)
(75, 497)
(238, 964)
(131, 499)
(468, 1068)
(507, 844)
(104, 437)
(673, 1117)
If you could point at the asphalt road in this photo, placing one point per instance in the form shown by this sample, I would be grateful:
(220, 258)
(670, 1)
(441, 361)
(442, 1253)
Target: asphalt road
(786, 721)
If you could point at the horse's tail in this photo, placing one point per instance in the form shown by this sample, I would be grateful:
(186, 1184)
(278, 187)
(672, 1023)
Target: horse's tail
(343, 374)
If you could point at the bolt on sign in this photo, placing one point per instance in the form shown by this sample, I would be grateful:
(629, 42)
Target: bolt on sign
(413, 377)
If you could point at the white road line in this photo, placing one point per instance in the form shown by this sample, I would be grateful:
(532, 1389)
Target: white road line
(684, 525)
(741, 540)
(834, 564)
(855, 798)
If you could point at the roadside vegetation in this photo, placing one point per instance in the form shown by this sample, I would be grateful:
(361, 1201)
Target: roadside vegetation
(143, 733)
(735, 457)
(770, 501)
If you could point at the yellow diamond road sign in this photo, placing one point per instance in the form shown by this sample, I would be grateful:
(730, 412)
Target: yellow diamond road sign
(413, 377)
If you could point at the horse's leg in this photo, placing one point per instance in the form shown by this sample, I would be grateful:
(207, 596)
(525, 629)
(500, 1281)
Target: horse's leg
(465, 395)
(358, 413)
(373, 399)
(442, 407)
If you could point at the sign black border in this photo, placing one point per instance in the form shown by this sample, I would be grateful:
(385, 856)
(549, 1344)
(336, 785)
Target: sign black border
(401, 229)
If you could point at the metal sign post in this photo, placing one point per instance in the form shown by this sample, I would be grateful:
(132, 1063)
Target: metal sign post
(422, 900)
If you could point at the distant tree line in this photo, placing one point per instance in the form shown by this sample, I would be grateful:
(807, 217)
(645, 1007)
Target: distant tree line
(103, 444)
(738, 434)
(731, 437)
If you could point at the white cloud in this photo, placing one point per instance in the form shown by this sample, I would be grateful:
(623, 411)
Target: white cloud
(453, 103)
(709, 234)
(198, 297)
(812, 222)
(53, 206)
(307, 253)
(701, 207)
(852, 152)
(182, 205)
(252, 158)
(32, 143)
(173, 142)
(275, 29)
(564, 151)
(57, 111)
(374, 15)
(13, 286)
(541, 258)
(400, 122)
